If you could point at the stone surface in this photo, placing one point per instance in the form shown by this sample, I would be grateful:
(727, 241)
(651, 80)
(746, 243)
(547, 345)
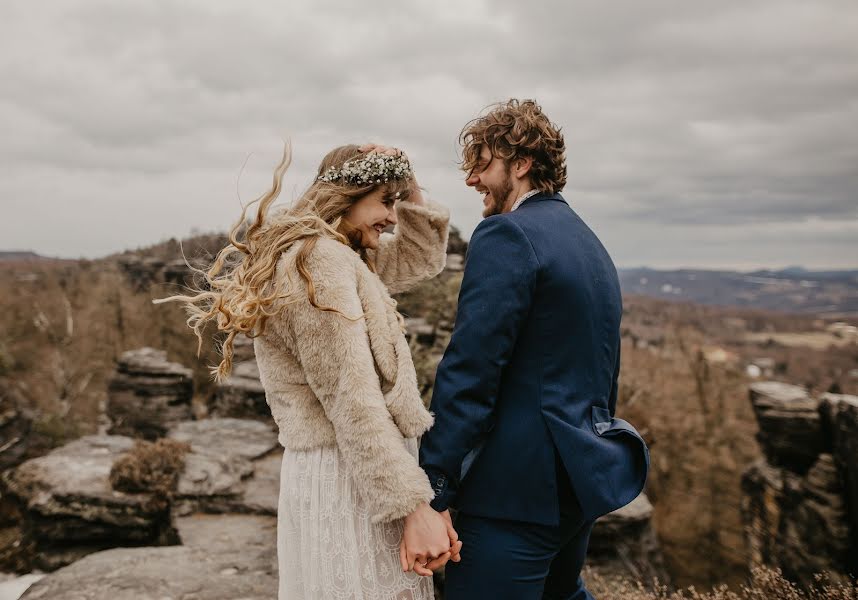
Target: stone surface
(624, 541)
(148, 394)
(762, 491)
(69, 508)
(241, 396)
(790, 426)
(142, 271)
(841, 415)
(814, 531)
(11, 589)
(224, 557)
(797, 503)
(233, 466)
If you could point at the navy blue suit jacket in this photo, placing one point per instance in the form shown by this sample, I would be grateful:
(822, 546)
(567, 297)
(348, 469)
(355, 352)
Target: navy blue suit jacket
(532, 369)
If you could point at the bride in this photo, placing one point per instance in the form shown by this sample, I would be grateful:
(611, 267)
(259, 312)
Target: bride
(311, 284)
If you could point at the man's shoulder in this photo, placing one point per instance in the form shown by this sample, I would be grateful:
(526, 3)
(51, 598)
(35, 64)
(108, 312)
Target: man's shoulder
(498, 229)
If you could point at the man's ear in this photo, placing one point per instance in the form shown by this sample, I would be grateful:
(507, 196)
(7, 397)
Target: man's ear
(521, 166)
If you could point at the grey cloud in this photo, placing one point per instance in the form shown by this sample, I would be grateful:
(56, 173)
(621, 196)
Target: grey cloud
(678, 115)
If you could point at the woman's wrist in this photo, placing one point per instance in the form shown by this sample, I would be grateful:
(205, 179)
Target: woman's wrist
(420, 508)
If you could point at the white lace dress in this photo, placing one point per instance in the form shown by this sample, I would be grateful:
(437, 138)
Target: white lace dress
(327, 546)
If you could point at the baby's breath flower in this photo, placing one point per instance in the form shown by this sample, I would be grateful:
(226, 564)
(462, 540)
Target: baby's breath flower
(374, 168)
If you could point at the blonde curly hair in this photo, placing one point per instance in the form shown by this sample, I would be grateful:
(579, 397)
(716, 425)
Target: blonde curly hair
(515, 129)
(241, 293)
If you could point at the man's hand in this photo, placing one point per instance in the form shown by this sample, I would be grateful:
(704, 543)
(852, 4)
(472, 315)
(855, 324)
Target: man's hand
(455, 545)
(425, 538)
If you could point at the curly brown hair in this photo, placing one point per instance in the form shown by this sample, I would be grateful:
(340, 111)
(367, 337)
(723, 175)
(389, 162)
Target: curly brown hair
(516, 129)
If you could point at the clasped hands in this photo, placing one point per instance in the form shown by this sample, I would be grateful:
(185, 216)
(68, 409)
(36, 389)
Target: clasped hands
(428, 541)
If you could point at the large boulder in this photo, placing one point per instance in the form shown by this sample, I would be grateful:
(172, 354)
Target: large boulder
(148, 394)
(233, 467)
(799, 502)
(814, 529)
(790, 429)
(241, 395)
(223, 557)
(624, 541)
(69, 509)
(841, 414)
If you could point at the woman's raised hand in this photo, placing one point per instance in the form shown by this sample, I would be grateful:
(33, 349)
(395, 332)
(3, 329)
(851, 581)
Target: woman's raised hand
(416, 195)
(381, 149)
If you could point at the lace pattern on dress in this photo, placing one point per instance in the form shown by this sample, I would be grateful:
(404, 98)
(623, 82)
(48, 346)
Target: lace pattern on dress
(327, 546)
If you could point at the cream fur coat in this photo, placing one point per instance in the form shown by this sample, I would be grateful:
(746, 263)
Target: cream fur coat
(350, 383)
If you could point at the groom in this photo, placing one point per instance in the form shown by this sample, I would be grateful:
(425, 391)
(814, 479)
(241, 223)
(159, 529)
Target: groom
(525, 443)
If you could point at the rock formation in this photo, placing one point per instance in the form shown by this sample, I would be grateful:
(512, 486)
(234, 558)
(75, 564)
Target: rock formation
(796, 500)
(141, 271)
(148, 394)
(624, 542)
(840, 415)
(69, 509)
(222, 557)
(233, 467)
(241, 396)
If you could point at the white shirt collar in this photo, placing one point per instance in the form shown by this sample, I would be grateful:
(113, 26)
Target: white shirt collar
(523, 198)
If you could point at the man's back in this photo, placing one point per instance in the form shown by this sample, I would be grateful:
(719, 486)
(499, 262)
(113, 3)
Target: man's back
(556, 366)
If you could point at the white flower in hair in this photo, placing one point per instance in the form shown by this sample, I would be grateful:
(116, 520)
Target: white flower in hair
(373, 168)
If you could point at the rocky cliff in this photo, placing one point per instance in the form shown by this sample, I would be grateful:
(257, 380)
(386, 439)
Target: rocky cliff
(800, 501)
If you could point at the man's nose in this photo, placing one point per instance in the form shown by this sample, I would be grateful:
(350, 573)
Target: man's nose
(472, 180)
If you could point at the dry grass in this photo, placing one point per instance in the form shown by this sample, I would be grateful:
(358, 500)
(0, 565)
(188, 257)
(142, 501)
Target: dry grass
(763, 584)
(150, 467)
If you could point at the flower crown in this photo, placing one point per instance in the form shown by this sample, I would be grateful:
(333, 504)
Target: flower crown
(371, 169)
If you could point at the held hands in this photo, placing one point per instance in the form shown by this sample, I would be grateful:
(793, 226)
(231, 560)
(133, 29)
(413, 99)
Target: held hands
(428, 541)
(416, 195)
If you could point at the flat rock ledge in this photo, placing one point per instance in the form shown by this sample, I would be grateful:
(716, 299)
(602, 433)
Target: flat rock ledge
(233, 467)
(224, 557)
(790, 426)
(69, 508)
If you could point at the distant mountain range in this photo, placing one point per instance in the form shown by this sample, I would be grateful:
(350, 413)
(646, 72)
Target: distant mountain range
(793, 289)
(19, 255)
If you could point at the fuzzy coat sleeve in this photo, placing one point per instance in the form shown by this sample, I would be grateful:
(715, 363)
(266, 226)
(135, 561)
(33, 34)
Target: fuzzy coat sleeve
(416, 250)
(335, 355)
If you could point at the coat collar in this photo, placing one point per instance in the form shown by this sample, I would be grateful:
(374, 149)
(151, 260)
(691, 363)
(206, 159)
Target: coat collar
(539, 197)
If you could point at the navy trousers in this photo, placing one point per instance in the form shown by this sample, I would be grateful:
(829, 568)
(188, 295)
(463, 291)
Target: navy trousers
(521, 561)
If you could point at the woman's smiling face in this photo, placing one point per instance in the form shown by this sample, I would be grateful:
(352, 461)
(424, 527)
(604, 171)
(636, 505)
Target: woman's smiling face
(371, 215)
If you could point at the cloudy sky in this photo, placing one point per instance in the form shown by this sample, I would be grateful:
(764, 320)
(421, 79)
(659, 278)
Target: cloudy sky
(704, 134)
